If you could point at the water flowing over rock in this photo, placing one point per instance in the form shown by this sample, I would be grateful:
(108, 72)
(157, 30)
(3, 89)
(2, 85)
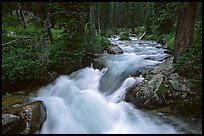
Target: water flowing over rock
(114, 50)
(91, 101)
(161, 88)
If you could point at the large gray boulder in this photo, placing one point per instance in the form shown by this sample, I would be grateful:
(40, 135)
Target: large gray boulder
(146, 93)
(164, 90)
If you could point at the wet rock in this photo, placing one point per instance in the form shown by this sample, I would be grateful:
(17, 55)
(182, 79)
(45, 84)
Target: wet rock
(133, 35)
(115, 37)
(27, 119)
(9, 122)
(158, 46)
(144, 95)
(114, 50)
(165, 68)
(179, 83)
(33, 114)
(99, 64)
(12, 34)
(113, 44)
(165, 91)
(168, 51)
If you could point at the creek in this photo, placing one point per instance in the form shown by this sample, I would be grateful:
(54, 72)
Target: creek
(90, 100)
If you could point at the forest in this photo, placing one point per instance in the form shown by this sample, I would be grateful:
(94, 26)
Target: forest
(43, 40)
(44, 37)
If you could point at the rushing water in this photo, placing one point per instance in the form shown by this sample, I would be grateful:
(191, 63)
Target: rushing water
(90, 100)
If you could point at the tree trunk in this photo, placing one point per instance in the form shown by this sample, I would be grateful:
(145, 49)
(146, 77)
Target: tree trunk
(48, 28)
(22, 15)
(98, 19)
(92, 19)
(17, 14)
(185, 29)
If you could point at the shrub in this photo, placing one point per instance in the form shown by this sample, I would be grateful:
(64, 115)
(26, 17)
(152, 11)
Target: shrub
(162, 92)
(169, 39)
(189, 63)
(138, 30)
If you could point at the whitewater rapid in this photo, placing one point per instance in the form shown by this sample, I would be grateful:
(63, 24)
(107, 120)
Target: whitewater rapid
(90, 101)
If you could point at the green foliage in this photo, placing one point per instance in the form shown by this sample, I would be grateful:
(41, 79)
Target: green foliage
(100, 43)
(60, 56)
(169, 39)
(109, 32)
(151, 37)
(10, 20)
(165, 39)
(167, 17)
(19, 63)
(94, 44)
(138, 30)
(198, 25)
(31, 32)
(189, 63)
(162, 92)
(124, 37)
(57, 33)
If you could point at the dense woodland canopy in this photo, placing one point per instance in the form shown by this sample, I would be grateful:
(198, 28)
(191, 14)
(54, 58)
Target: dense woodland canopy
(41, 37)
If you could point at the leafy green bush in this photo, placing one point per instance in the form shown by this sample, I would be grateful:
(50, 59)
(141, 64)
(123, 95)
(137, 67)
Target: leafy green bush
(138, 30)
(10, 20)
(189, 63)
(57, 33)
(31, 32)
(169, 39)
(19, 64)
(162, 92)
(151, 37)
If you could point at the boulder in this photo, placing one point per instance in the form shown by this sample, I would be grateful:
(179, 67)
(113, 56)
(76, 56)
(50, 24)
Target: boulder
(12, 34)
(163, 90)
(28, 119)
(166, 68)
(33, 114)
(114, 50)
(179, 83)
(115, 37)
(144, 95)
(9, 123)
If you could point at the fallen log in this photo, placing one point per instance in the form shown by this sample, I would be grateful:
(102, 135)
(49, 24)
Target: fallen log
(140, 38)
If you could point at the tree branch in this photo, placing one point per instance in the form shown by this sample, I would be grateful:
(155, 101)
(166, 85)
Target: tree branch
(9, 42)
(142, 35)
(25, 38)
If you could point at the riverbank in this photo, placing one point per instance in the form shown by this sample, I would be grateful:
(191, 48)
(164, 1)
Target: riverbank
(164, 90)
